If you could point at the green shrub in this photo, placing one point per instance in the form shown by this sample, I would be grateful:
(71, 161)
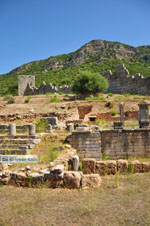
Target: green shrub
(89, 82)
(41, 125)
(113, 112)
(54, 99)
(60, 93)
(127, 94)
(27, 100)
(100, 122)
(9, 99)
(110, 94)
(66, 95)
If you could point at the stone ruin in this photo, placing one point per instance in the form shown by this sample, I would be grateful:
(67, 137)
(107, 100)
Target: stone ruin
(23, 81)
(122, 82)
(20, 144)
(114, 143)
(119, 82)
(26, 87)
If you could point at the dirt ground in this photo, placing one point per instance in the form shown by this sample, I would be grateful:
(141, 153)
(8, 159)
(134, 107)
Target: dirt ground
(41, 103)
(129, 204)
(68, 107)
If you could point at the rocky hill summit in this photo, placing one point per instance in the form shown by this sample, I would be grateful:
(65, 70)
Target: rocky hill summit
(94, 51)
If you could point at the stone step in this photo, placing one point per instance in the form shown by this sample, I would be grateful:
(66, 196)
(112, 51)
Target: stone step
(14, 152)
(19, 141)
(21, 136)
(13, 146)
(16, 146)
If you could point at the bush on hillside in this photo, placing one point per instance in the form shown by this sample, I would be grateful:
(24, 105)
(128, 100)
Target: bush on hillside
(88, 83)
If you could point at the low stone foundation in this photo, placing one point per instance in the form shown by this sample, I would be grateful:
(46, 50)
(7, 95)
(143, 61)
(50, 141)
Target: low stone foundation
(111, 167)
(69, 179)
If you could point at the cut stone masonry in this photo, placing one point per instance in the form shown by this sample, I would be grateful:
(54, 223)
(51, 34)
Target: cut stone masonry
(121, 82)
(114, 143)
(26, 87)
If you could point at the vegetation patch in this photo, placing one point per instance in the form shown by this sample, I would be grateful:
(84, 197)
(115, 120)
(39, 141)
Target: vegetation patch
(27, 100)
(113, 112)
(41, 125)
(55, 99)
(9, 99)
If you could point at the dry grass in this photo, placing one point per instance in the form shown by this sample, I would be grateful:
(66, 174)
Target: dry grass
(129, 204)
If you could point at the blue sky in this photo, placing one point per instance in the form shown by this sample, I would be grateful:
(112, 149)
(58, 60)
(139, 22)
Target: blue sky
(36, 29)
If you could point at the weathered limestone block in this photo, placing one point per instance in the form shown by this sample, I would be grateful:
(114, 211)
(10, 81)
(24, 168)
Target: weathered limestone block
(53, 181)
(57, 169)
(122, 165)
(35, 179)
(101, 168)
(72, 179)
(111, 167)
(18, 179)
(145, 167)
(88, 166)
(135, 167)
(91, 180)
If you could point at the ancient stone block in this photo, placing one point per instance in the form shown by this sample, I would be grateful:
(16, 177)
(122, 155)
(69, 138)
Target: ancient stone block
(122, 165)
(72, 179)
(145, 167)
(135, 167)
(88, 166)
(57, 169)
(91, 180)
(111, 167)
(101, 168)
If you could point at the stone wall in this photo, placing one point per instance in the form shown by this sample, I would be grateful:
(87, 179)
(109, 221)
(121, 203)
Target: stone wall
(87, 143)
(125, 143)
(115, 143)
(26, 87)
(23, 80)
(121, 82)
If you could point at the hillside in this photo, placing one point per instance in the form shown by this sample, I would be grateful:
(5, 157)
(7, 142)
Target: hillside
(95, 56)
